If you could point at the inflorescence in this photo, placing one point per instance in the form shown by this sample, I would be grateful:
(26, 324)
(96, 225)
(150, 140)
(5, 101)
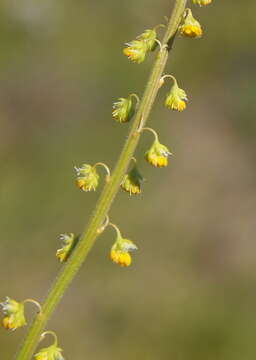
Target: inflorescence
(87, 176)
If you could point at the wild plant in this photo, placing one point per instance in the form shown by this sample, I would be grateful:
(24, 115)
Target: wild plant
(126, 176)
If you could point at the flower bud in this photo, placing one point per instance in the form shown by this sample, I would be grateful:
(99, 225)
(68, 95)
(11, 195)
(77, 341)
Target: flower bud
(136, 51)
(50, 353)
(149, 36)
(202, 2)
(158, 154)
(123, 110)
(87, 177)
(132, 181)
(69, 243)
(120, 251)
(191, 27)
(14, 314)
(176, 98)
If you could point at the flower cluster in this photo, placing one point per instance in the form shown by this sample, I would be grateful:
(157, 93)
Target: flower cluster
(87, 177)
(158, 155)
(124, 109)
(136, 50)
(176, 98)
(14, 314)
(132, 181)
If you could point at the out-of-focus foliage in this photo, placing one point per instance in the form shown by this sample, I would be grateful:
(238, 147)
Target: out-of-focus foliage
(190, 292)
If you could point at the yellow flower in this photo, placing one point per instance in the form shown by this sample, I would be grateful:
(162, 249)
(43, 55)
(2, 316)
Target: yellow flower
(69, 242)
(136, 51)
(191, 27)
(123, 110)
(87, 177)
(202, 2)
(119, 253)
(14, 314)
(132, 181)
(176, 98)
(158, 154)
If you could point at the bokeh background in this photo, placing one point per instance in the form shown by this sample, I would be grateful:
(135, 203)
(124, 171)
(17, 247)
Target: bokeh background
(190, 293)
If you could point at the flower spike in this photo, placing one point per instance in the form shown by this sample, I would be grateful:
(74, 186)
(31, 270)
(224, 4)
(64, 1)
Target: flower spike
(191, 27)
(52, 352)
(132, 181)
(14, 313)
(158, 154)
(119, 253)
(176, 97)
(202, 2)
(123, 109)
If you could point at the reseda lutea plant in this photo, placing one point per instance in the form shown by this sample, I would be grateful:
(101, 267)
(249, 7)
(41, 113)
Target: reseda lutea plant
(126, 176)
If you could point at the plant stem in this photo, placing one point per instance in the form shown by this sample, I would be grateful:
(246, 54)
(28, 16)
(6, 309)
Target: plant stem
(109, 192)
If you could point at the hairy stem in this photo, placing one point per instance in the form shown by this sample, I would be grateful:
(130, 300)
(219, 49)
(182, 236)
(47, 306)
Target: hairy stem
(109, 192)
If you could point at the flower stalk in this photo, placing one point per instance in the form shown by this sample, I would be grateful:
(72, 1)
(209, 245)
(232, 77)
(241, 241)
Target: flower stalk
(88, 237)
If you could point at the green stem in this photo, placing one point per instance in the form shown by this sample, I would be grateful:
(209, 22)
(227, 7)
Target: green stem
(88, 238)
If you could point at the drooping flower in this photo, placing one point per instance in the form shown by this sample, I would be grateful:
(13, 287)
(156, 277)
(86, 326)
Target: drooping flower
(175, 99)
(123, 110)
(158, 155)
(69, 243)
(191, 27)
(14, 314)
(136, 51)
(132, 181)
(119, 253)
(50, 353)
(87, 177)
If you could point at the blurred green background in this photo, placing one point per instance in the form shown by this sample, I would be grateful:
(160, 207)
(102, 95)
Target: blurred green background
(190, 292)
